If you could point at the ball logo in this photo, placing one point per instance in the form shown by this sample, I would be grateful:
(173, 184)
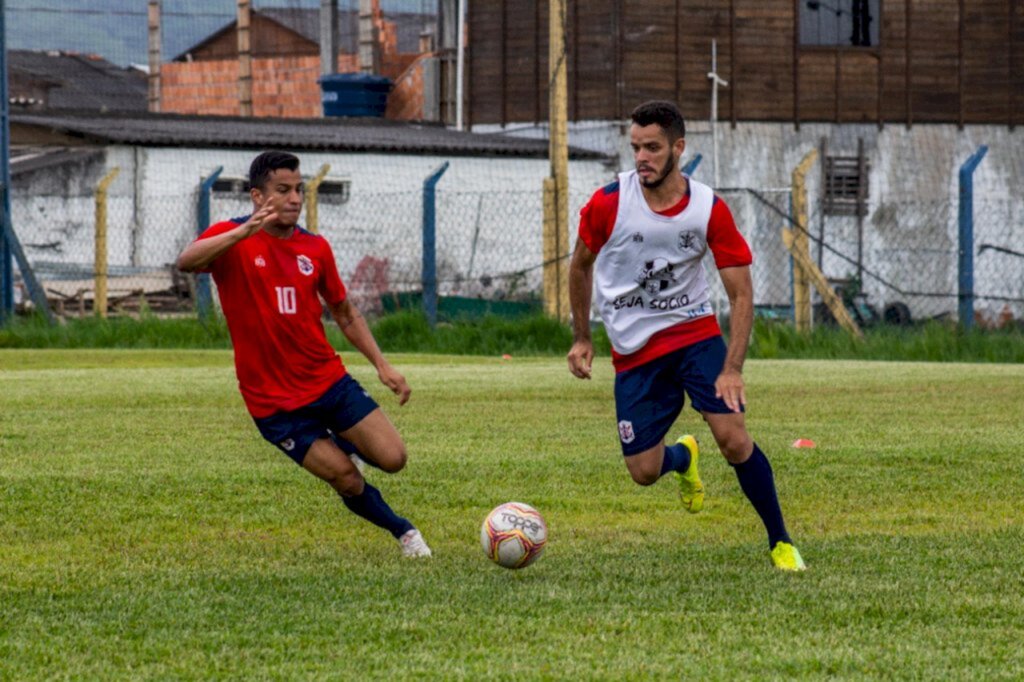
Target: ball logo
(260, 263)
(626, 432)
(305, 265)
(514, 520)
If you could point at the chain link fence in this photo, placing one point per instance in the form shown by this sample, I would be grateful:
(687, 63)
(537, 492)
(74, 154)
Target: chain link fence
(489, 247)
(896, 264)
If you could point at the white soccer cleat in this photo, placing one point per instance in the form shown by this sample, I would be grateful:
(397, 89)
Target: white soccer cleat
(413, 545)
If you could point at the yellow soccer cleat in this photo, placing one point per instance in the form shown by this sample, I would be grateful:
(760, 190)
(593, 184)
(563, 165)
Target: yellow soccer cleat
(691, 489)
(786, 557)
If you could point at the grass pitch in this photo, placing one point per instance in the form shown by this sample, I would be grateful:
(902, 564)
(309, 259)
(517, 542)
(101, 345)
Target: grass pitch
(147, 532)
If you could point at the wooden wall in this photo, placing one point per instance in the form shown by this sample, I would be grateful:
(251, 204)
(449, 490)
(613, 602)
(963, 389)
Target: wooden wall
(952, 61)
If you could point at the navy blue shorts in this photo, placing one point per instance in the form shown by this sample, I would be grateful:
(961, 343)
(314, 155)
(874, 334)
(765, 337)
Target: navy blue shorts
(649, 398)
(344, 405)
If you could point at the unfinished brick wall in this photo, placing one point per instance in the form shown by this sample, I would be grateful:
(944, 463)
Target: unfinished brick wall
(282, 86)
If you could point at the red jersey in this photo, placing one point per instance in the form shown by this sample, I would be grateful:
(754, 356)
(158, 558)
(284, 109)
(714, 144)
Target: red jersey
(729, 248)
(270, 292)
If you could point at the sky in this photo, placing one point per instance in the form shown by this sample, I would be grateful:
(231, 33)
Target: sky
(117, 29)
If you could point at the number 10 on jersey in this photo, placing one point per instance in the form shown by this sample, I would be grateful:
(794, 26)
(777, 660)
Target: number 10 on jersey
(286, 300)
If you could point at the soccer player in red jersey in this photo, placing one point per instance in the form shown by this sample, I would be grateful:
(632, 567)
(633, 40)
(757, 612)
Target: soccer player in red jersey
(642, 240)
(271, 276)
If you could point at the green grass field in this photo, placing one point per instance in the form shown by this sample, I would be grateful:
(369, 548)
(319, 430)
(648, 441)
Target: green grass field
(147, 532)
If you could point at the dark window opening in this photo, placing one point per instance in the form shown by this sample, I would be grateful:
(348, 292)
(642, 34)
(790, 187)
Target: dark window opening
(331, 190)
(846, 187)
(839, 23)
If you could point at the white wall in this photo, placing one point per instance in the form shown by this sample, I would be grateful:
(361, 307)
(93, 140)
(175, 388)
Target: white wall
(911, 230)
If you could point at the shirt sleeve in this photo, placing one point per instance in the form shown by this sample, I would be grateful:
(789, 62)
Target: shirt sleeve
(213, 231)
(330, 286)
(597, 218)
(727, 245)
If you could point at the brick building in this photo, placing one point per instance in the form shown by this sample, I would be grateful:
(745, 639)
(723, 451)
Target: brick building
(286, 65)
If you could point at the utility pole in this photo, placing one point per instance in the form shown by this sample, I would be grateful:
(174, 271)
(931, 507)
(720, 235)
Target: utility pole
(328, 37)
(154, 56)
(715, 82)
(556, 187)
(245, 57)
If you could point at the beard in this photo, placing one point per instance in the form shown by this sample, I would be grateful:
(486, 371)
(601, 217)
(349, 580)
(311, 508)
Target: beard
(670, 165)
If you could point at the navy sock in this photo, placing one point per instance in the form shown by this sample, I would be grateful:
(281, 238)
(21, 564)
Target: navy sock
(372, 507)
(677, 458)
(758, 485)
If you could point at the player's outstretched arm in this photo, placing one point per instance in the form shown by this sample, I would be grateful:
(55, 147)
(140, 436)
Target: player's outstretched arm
(353, 326)
(740, 289)
(581, 282)
(202, 252)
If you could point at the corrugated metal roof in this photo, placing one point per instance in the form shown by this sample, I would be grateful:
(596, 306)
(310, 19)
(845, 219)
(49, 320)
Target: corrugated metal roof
(340, 134)
(80, 81)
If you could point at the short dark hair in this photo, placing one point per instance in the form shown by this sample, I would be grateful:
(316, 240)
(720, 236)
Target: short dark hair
(268, 162)
(665, 114)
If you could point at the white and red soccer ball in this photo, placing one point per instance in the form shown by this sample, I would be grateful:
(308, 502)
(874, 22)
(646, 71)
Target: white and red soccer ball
(513, 535)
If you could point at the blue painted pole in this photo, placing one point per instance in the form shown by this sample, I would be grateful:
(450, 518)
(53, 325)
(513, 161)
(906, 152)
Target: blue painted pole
(692, 164)
(6, 269)
(430, 243)
(966, 259)
(204, 300)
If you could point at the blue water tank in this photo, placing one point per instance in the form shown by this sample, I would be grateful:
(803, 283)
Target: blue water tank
(354, 94)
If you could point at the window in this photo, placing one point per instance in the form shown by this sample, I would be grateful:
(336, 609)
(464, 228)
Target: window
(846, 188)
(839, 23)
(332, 190)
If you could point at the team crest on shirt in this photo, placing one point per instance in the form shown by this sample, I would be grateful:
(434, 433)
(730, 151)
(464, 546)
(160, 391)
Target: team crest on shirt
(260, 263)
(655, 275)
(687, 240)
(626, 433)
(305, 265)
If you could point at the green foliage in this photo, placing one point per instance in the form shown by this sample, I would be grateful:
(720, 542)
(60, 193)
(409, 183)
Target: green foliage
(930, 342)
(532, 335)
(147, 532)
(149, 331)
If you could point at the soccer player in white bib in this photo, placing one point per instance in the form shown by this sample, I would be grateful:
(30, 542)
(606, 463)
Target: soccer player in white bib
(641, 242)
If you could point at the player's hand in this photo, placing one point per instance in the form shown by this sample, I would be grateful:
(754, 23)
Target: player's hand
(391, 378)
(266, 215)
(581, 358)
(729, 387)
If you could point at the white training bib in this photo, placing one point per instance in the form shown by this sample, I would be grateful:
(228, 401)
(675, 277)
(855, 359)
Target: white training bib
(649, 275)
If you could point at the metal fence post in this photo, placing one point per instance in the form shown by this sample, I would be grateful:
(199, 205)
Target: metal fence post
(6, 269)
(966, 259)
(204, 302)
(692, 164)
(100, 255)
(430, 244)
(313, 199)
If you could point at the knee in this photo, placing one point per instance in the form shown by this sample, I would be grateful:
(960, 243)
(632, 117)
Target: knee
(644, 478)
(393, 460)
(736, 447)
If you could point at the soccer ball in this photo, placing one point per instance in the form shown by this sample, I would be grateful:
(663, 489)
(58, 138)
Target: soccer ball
(513, 535)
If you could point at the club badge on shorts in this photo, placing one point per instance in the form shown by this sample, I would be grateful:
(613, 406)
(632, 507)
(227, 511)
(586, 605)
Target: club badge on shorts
(626, 433)
(305, 265)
